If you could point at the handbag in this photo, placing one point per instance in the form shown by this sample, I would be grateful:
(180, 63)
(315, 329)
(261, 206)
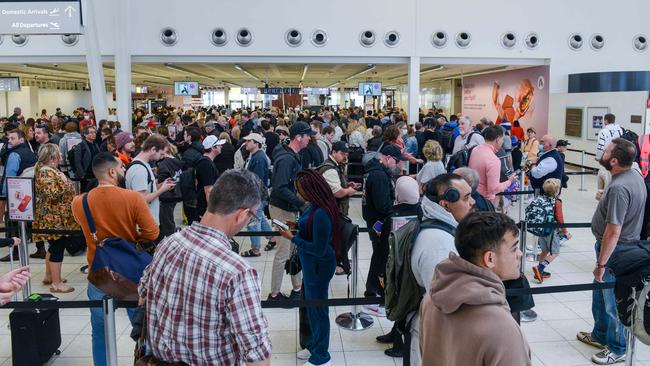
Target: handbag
(118, 264)
(293, 265)
(140, 359)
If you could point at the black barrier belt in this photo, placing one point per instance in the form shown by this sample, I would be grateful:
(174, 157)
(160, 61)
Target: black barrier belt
(518, 193)
(580, 151)
(80, 233)
(302, 303)
(592, 172)
(555, 225)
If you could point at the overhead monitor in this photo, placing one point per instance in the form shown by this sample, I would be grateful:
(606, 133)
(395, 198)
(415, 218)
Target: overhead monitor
(370, 88)
(187, 88)
(9, 84)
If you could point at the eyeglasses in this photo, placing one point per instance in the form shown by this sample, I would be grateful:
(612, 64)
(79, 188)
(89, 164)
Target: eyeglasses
(253, 219)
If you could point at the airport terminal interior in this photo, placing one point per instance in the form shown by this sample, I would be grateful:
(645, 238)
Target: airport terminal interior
(232, 77)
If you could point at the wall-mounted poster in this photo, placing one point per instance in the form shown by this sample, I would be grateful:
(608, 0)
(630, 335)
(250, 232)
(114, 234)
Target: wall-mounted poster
(573, 122)
(20, 198)
(595, 121)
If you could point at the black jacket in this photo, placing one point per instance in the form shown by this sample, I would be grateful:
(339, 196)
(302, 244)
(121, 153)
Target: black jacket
(192, 154)
(272, 140)
(379, 193)
(170, 168)
(374, 144)
(311, 156)
(285, 170)
(630, 263)
(83, 156)
(226, 159)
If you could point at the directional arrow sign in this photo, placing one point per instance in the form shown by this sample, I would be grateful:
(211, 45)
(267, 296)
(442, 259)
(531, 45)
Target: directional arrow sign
(34, 17)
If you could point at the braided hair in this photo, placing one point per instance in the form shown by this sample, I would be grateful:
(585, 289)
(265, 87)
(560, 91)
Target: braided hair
(318, 192)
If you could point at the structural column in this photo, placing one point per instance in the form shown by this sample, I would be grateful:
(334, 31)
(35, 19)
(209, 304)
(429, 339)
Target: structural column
(94, 61)
(414, 89)
(123, 66)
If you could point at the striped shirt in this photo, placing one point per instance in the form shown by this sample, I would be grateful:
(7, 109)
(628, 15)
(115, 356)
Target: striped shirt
(203, 302)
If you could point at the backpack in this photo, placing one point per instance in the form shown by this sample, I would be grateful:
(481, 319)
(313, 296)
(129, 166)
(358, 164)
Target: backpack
(459, 159)
(445, 137)
(541, 211)
(150, 181)
(188, 183)
(630, 136)
(369, 155)
(402, 292)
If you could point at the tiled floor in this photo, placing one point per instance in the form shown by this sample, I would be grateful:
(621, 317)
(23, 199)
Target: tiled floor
(552, 336)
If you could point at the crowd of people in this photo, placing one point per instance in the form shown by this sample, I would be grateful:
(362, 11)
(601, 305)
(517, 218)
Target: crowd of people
(236, 169)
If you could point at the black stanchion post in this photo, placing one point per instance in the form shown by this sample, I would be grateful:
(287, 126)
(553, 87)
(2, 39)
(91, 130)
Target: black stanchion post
(355, 320)
(522, 243)
(582, 177)
(110, 339)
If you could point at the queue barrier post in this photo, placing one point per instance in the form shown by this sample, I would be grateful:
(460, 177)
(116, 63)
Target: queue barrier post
(23, 253)
(582, 169)
(522, 243)
(355, 320)
(630, 353)
(110, 339)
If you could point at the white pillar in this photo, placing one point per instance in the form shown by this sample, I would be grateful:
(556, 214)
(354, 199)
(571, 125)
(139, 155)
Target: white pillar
(226, 95)
(34, 104)
(414, 89)
(94, 61)
(123, 66)
(342, 96)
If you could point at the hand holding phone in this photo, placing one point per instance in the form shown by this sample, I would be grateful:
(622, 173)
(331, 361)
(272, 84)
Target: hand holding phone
(280, 224)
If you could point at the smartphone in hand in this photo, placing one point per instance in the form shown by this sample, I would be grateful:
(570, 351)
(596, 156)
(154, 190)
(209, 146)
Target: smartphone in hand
(280, 224)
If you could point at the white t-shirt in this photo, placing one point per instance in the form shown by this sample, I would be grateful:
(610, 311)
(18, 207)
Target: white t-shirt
(138, 180)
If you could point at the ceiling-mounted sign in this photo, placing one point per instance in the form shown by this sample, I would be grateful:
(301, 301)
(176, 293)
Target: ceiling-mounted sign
(9, 84)
(40, 17)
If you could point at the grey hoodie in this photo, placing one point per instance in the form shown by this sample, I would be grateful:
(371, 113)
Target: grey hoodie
(431, 247)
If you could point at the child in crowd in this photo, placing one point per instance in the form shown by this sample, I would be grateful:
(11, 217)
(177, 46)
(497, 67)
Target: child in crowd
(550, 244)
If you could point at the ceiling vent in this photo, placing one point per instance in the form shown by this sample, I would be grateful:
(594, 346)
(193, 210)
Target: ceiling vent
(168, 37)
(244, 37)
(391, 39)
(367, 38)
(508, 40)
(293, 37)
(575, 41)
(463, 39)
(319, 38)
(597, 42)
(70, 39)
(219, 37)
(532, 40)
(640, 42)
(19, 39)
(439, 39)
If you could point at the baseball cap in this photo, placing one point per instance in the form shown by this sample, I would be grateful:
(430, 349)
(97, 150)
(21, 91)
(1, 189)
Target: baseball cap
(283, 129)
(392, 151)
(340, 146)
(122, 139)
(562, 143)
(300, 128)
(210, 141)
(255, 137)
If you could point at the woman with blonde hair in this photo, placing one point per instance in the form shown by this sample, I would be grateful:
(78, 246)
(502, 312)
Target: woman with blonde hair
(53, 210)
(432, 151)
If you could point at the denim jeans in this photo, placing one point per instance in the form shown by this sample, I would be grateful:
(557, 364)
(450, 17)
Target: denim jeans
(97, 324)
(262, 225)
(608, 330)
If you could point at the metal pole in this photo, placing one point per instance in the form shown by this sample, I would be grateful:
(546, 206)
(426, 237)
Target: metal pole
(582, 177)
(631, 348)
(522, 243)
(355, 320)
(521, 197)
(23, 253)
(109, 331)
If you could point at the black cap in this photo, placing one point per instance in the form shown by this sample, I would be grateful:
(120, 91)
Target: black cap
(300, 128)
(562, 143)
(392, 151)
(340, 146)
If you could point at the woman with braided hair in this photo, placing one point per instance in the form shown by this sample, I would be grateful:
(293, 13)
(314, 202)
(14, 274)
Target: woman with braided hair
(318, 243)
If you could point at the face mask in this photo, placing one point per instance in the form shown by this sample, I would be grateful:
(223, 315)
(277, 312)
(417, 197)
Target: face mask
(86, 117)
(541, 148)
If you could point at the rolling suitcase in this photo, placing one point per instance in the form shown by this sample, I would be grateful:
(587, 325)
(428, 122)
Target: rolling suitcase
(35, 334)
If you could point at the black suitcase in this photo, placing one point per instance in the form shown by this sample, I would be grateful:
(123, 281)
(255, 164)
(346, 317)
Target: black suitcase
(75, 245)
(35, 335)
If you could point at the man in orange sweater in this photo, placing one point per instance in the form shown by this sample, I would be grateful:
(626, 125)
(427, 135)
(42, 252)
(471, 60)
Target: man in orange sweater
(117, 212)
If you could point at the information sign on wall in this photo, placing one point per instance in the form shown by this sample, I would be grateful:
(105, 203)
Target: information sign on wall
(40, 17)
(595, 121)
(573, 122)
(20, 198)
(9, 84)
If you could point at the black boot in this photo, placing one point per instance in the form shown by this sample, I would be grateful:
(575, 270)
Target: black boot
(388, 337)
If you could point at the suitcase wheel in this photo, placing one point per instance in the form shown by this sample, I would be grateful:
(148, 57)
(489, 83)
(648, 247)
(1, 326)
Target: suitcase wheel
(57, 352)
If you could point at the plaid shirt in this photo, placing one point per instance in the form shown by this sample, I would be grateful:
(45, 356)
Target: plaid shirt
(203, 302)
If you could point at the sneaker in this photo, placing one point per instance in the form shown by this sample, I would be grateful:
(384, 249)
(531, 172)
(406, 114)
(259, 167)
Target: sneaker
(376, 310)
(303, 354)
(538, 274)
(546, 275)
(279, 296)
(295, 295)
(585, 337)
(84, 269)
(527, 316)
(328, 363)
(607, 357)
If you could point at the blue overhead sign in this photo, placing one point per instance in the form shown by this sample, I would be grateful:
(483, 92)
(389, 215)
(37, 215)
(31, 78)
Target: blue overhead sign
(40, 17)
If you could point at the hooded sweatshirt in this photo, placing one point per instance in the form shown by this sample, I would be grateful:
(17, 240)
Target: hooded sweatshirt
(286, 166)
(468, 305)
(431, 247)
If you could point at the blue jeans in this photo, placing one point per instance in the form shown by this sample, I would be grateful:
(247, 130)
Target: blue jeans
(97, 324)
(263, 225)
(608, 330)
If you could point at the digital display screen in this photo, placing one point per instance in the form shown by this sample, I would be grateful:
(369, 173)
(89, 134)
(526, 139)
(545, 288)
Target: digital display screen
(370, 88)
(9, 84)
(186, 88)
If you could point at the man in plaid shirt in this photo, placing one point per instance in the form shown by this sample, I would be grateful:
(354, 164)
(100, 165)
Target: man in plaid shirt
(202, 299)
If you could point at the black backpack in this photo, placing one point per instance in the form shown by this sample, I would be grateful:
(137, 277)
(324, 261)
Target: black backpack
(445, 137)
(188, 184)
(459, 159)
(630, 136)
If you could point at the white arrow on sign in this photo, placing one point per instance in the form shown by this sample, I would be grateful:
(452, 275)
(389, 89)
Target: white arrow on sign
(69, 10)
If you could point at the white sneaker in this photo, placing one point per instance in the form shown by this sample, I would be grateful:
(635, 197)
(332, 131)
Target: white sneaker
(376, 310)
(328, 363)
(303, 354)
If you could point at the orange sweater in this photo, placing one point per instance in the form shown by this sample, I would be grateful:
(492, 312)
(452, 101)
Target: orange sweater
(118, 213)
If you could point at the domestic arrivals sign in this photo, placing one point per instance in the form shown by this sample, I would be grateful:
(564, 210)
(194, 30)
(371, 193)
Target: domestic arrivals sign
(40, 17)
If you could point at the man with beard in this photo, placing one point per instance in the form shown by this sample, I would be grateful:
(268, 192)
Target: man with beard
(118, 213)
(617, 220)
(377, 206)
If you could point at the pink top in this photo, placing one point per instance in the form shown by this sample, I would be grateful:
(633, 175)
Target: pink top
(484, 160)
